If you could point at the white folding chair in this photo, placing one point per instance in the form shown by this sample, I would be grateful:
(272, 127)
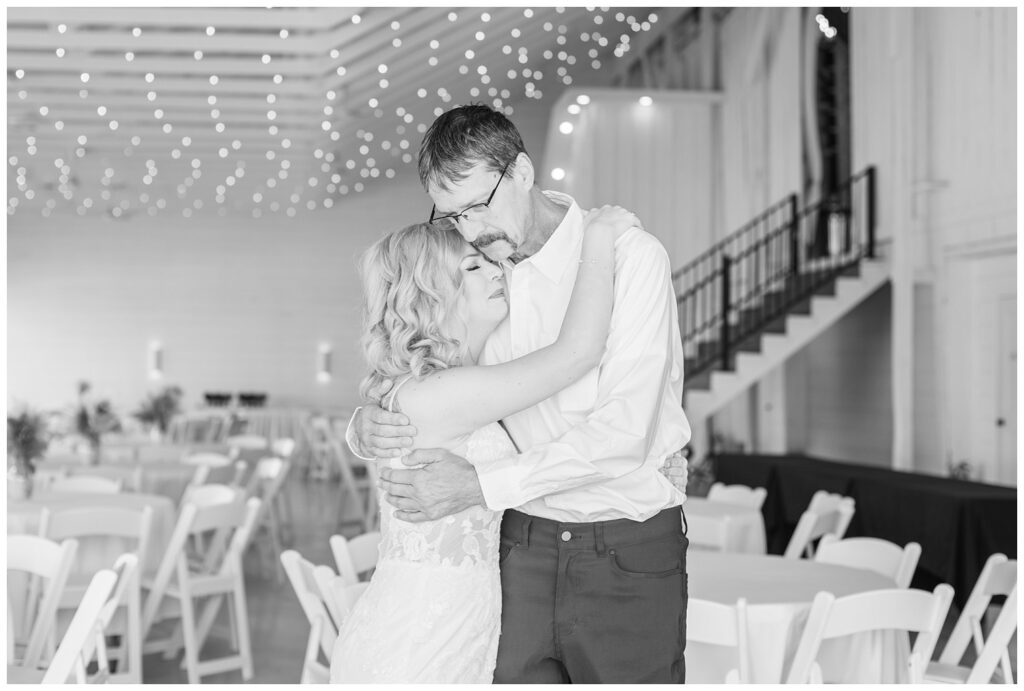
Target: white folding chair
(323, 632)
(85, 637)
(85, 524)
(240, 443)
(897, 609)
(283, 447)
(207, 458)
(38, 559)
(713, 623)
(356, 556)
(998, 577)
(357, 477)
(740, 495)
(827, 513)
(92, 484)
(880, 556)
(708, 532)
(216, 575)
(70, 657)
(266, 481)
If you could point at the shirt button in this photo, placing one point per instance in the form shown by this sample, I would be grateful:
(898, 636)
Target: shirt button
(566, 536)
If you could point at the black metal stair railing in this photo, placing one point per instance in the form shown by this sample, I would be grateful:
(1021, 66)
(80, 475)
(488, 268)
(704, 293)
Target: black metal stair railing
(746, 283)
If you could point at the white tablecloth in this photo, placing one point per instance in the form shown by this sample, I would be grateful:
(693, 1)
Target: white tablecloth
(746, 525)
(162, 473)
(97, 553)
(94, 553)
(779, 593)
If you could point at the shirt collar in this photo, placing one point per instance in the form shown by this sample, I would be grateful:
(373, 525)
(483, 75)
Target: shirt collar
(563, 247)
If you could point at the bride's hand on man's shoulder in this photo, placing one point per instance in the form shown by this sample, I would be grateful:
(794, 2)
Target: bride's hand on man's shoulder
(611, 218)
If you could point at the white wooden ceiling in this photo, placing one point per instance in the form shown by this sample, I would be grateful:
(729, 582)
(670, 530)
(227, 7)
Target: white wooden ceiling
(125, 111)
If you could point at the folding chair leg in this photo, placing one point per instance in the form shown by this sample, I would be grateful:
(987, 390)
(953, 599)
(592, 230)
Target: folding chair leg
(175, 642)
(274, 528)
(207, 618)
(188, 623)
(242, 617)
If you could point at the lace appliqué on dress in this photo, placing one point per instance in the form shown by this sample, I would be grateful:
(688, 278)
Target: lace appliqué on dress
(432, 612)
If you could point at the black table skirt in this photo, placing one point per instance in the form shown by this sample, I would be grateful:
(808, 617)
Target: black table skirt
(958, 524)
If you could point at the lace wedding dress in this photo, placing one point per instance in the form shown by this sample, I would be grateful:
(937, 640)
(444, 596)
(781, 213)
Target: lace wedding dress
(432, 611)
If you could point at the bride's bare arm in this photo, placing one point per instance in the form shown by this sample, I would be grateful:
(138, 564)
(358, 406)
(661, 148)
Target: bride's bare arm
(459, 400)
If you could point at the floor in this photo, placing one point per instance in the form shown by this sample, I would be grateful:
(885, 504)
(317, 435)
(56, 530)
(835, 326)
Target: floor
(279, 628)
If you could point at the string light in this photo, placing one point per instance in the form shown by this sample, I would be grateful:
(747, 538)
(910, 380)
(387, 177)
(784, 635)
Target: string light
(508, 71)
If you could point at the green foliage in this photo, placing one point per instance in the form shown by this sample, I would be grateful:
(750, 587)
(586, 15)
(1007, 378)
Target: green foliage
(160, 408)
(27, 439)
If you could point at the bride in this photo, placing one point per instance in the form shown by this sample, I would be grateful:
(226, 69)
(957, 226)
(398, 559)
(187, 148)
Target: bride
(432, 611)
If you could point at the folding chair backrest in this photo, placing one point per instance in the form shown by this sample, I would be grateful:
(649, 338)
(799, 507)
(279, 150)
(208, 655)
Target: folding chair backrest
(92, 484)
(740, 495)
(357, 555)
(998, 577)
(127, 570)
(208, 458)
(45, 559)
(267, 477)
(893, 609)
(301, 574)
(211, 494)
(252, 442)
(826, 514)
(83, 523)
(723, 625)
(283, 447)
(880, 556)
(71, 656)
(708, 532)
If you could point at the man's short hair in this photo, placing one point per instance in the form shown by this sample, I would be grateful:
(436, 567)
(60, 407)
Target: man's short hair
(464, 137)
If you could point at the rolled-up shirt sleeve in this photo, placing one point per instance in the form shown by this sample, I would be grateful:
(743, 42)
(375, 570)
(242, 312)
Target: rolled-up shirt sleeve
(639, 376)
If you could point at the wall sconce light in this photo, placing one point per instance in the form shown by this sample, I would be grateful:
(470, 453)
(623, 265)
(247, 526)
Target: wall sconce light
(323, 369)
(156, 360)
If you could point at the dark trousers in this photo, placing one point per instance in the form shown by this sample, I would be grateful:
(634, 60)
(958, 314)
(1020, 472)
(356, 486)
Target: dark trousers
(592, 602)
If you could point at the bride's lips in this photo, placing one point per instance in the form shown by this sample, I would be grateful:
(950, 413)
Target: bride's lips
(500, 292)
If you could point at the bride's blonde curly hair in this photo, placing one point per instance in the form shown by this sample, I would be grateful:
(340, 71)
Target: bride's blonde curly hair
(411, 290)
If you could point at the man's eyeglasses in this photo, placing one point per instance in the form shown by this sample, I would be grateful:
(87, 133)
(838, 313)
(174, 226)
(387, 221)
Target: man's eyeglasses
(470, 212)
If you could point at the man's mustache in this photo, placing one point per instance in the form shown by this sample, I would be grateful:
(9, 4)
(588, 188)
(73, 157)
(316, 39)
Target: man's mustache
(487, 240)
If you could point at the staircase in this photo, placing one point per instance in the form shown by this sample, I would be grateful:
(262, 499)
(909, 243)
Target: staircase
(769, 289)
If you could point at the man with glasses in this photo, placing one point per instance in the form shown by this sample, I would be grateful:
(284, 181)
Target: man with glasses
(593, 550)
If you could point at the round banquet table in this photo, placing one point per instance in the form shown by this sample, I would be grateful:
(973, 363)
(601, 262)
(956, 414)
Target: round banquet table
(167, 478)
(746, 525)
(94, 553)
(779, 593)
(23, 518)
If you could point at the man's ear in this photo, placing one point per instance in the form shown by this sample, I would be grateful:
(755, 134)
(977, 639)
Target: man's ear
(523, 171)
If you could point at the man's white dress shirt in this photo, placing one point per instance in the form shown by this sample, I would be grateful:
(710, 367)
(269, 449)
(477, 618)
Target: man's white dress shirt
(593, 451)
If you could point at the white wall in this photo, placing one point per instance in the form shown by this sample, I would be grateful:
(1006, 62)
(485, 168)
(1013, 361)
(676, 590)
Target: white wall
(238, 303)
(655, 160)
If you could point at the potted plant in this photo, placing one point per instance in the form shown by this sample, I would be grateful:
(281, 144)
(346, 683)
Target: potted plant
(91, 421)
(27, 439)
(157, 410)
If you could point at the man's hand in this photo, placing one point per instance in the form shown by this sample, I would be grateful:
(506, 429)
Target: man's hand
(382, 434)
(446, 484)
(675, 469)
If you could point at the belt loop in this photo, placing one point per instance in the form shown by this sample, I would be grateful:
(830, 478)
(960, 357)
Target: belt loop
(525, 536)
(599, 539)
